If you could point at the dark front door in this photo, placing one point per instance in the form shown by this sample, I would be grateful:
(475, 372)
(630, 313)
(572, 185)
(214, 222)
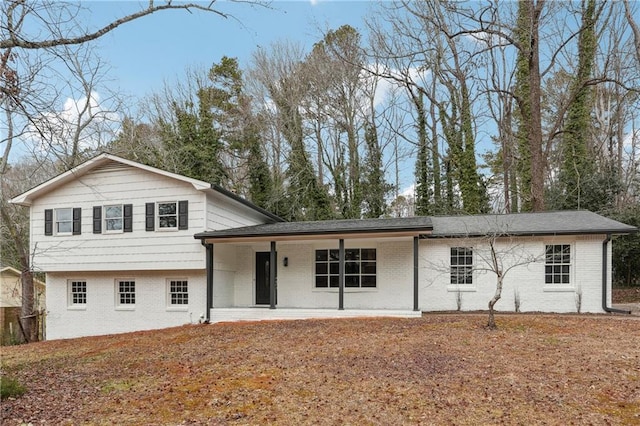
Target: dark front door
(263, 277)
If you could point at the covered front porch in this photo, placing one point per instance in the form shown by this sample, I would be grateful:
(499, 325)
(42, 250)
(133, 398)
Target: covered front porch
(264, 313)
(331, 269)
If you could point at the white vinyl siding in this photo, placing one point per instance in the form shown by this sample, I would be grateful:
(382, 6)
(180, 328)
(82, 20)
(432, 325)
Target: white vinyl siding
(116, 250)
(138, 249)
(223, 213)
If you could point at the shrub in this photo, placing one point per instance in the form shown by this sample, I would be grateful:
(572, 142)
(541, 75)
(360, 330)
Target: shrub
(10, 388)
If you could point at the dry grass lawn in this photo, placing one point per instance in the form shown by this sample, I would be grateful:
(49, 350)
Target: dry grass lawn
(441, 369)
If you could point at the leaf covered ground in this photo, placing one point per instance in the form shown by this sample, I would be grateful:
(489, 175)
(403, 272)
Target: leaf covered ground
(440, 369)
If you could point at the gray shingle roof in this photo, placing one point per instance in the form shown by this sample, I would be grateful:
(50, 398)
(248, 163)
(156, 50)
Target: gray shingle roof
(346, 226)
(543, 223)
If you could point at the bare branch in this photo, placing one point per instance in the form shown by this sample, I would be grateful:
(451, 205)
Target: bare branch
(15, 40)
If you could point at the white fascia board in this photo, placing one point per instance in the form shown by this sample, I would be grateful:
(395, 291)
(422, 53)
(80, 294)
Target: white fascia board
(26, 198)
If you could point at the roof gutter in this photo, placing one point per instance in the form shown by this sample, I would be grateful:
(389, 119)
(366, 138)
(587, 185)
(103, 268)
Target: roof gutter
(605, 247)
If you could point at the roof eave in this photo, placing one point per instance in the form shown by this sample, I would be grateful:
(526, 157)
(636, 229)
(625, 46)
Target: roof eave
(246, 203)
(316, 235)
(538, 234)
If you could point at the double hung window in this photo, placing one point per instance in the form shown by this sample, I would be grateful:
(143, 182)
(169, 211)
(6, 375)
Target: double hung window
(557, 268)
(64, 221)
(167, 215)
(461, 265)
(77, 292)
(126, 293)
(113, 218)
(178, 292)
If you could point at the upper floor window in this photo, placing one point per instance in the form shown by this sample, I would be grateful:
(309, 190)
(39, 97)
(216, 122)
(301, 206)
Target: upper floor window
(359, 268)
(461, 265)
(557, 266)
(167, 215)
(63, 221)
(113, 218)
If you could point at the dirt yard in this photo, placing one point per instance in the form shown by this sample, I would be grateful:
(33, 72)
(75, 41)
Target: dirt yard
(441, 369)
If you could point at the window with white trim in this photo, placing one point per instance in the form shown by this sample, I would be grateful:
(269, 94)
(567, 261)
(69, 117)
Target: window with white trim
(557, 268)
(461, 265)
(359, 268)
(126, 292)
(77, 292)
(64, 221)
(178, 292)
(113, 218)
(168, 215)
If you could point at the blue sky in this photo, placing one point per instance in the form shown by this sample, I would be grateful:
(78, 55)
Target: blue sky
(144, 53)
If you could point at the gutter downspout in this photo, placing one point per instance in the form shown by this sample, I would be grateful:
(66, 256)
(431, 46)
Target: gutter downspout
(606, 308)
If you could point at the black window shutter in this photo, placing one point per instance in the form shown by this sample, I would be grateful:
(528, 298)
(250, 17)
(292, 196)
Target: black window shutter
(77, 225)
(149, 216)
(183, 214)
(48, 222)
(97, 219)
(128, 217)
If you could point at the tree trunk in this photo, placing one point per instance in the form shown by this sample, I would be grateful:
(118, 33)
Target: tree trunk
(27, 312)
(492, 321)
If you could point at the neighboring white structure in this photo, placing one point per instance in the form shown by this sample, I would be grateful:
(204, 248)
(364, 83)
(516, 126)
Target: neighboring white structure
(11, 303)
(116, 240)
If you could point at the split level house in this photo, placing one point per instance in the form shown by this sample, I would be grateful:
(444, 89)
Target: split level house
(129, 247)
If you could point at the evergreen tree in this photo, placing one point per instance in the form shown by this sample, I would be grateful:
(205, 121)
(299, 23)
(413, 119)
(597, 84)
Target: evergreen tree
(579, 180)
(260, 180)
(374, 182)
(424, 174)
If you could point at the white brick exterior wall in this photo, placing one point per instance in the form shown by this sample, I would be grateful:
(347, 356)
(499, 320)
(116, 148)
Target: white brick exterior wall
(526, 280)
(234, 284)
(101, 315)
(395, 276)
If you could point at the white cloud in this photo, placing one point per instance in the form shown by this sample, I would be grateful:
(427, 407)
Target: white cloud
(409, 192)
(83, 121)
(385, 87)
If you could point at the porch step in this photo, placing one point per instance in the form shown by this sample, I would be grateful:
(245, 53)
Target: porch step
(261, 314)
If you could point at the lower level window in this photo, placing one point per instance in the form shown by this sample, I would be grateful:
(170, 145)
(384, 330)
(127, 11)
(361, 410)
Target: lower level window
(178, 292)
(359, 268)
(77, 292)
(557, 264)
(126, 292)
(461, 265)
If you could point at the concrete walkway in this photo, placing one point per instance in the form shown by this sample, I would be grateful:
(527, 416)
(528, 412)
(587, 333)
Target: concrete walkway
(633, 307)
